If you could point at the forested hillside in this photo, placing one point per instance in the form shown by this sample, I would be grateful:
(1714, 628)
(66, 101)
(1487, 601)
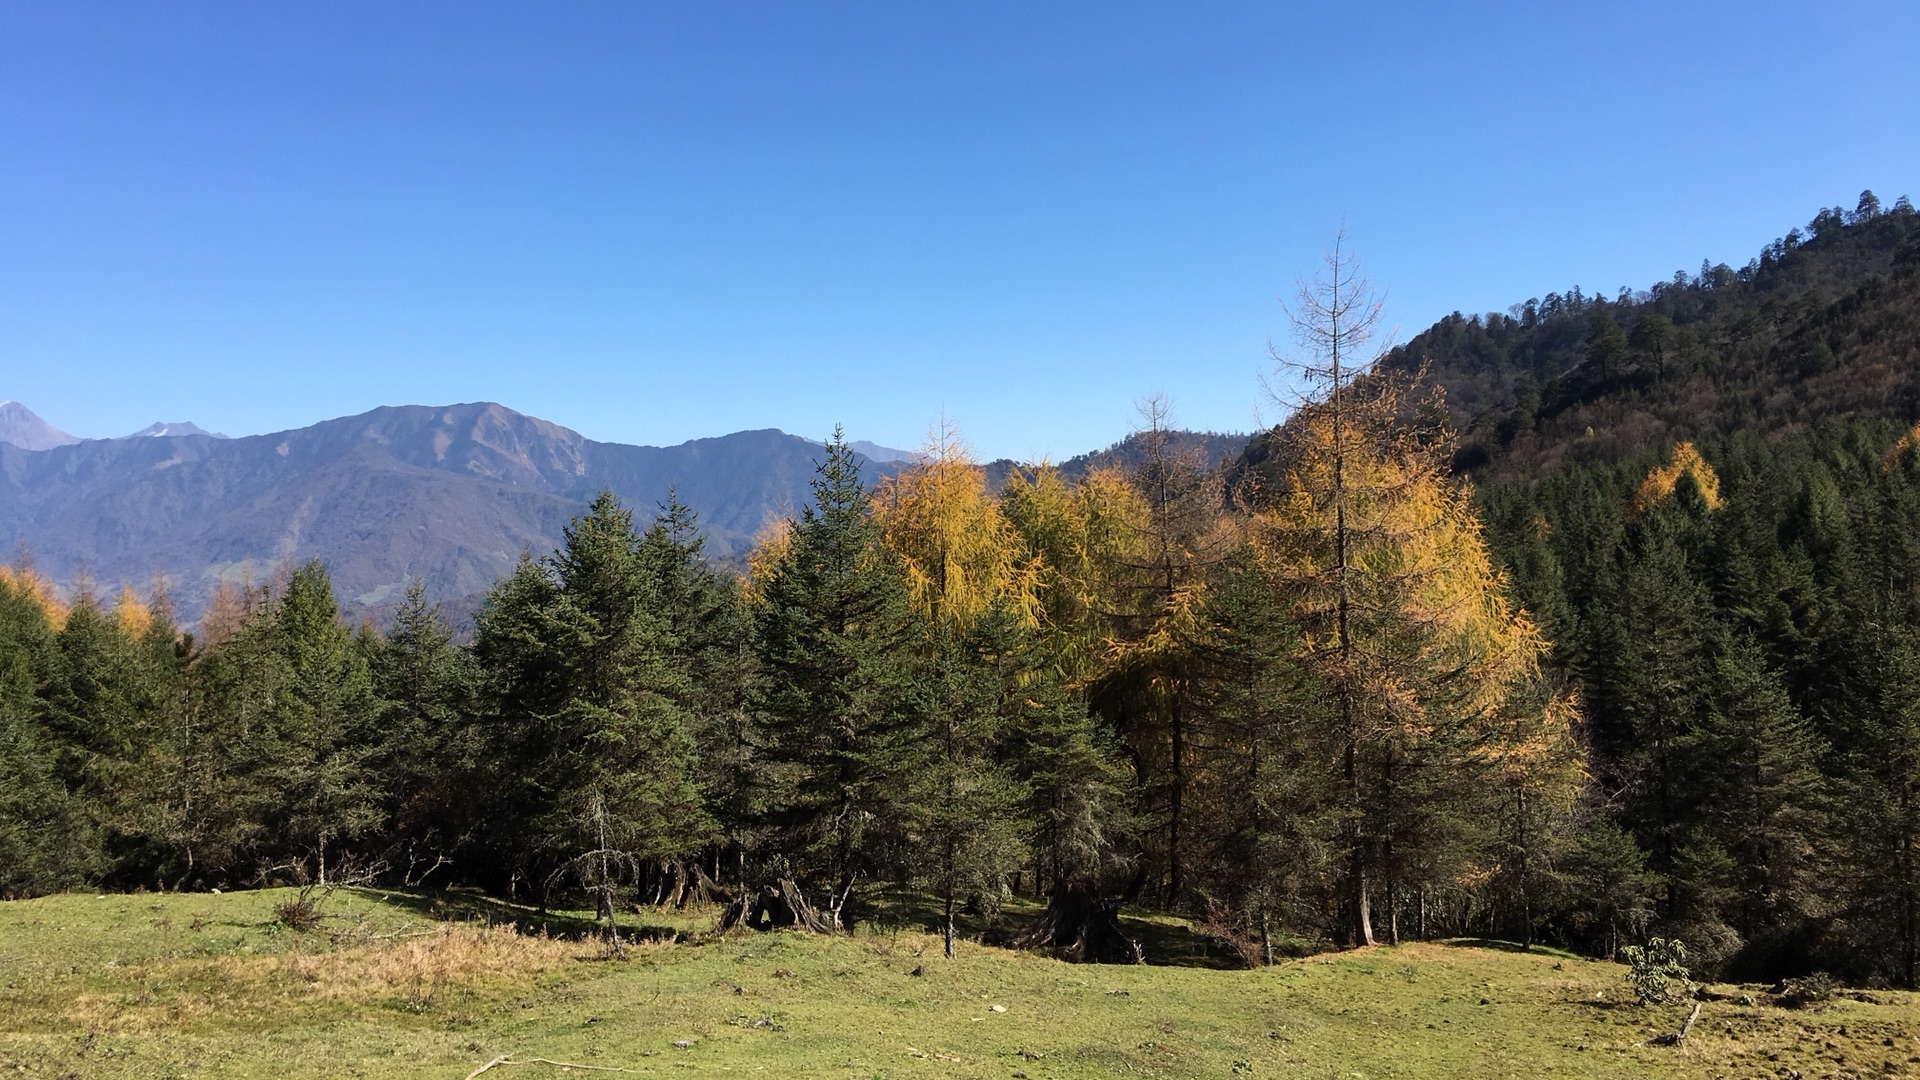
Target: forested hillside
(1823, 322)
(1616, 686)
(1708, 497)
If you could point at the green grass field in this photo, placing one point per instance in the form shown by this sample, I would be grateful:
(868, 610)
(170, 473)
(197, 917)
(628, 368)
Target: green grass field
(402, 985)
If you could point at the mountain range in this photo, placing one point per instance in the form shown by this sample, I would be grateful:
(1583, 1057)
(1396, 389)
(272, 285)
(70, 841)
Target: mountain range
(451, 495)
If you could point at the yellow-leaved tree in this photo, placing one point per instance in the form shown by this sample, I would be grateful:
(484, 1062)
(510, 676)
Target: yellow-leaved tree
(960, 555)
(1428, 686)
(974, 594)
(27, 582)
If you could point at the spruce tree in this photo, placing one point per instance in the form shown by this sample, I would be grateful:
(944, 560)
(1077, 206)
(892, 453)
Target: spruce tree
(47, 841)
(840, 709)
(315, 751)
(425, 686)
(590, 748)
(1762, 797)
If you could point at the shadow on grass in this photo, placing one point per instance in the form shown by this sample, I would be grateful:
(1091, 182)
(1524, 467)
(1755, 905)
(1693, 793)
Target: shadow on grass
(1499, 945)
(1170, 941)
(1166, 940)
(471, 905)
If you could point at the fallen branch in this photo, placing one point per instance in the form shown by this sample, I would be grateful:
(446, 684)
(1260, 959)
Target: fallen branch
(1675, 1038)
(503, 1059)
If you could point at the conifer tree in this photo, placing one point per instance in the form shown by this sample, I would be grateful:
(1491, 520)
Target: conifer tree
(1762, 796)
(707, 637)
(591, 748)
(840, 706)
(315, 750)
(1881, 816)
(425, 687)
(1429, 679)
(46, 840)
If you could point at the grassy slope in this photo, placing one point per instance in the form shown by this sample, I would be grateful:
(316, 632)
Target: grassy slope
(195, 985)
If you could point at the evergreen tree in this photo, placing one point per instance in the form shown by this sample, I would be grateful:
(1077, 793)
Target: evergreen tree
(314, 753)
(840, 707)
(47, 842)
(425, 687)
(708, 637)
(590, 748)
(1881, 816)
(1762, 797)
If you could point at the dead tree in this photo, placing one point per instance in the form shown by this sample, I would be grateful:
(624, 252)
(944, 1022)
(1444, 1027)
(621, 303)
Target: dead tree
(599, 872)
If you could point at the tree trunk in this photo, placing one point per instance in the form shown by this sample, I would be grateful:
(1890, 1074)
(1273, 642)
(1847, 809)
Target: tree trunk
(1179, 734)
(947, 927)
(1360, 911)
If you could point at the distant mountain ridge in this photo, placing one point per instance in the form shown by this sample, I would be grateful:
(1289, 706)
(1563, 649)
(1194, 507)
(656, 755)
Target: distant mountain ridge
(449, 494)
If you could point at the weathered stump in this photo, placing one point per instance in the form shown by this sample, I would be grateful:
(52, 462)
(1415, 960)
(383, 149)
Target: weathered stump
(1084, 927)
(779, 906)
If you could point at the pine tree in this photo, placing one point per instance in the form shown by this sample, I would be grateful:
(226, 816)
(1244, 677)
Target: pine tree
(1762, 796)
(1881, 807)
(47, 842)
(590, 747)
(707, 637)
(1608, 889)
(839, 705)
(315, 750)
(425, 686)
(1272, 836)
(975, 605)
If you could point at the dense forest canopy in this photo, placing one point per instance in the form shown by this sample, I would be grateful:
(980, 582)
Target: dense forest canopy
(1654, 670)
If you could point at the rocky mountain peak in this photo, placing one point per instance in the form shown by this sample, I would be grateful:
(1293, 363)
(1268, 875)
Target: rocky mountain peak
(20, 427)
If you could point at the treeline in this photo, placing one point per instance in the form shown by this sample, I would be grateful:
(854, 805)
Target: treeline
(1326, 695)
(1310, 716)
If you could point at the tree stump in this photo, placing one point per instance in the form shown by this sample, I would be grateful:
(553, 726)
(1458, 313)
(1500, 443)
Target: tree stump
(1084, 928)
(779, 906)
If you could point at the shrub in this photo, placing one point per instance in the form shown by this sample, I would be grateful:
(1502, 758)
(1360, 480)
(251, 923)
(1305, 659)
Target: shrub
(300, 914)
(1658, 971)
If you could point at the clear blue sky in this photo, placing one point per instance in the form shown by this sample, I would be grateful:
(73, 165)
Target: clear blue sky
(653, 222)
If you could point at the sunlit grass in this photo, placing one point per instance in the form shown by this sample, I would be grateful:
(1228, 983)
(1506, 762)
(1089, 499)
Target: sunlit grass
(407, 985)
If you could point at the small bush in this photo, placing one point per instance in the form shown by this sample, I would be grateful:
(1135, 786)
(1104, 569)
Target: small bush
(300, 914)
(1658, 971)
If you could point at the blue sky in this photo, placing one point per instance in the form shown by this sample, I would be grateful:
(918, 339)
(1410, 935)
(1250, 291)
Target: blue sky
(654, 222)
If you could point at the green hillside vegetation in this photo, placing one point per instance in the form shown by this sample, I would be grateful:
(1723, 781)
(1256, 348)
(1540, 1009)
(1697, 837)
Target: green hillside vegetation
(1823, 323)
(419, 985)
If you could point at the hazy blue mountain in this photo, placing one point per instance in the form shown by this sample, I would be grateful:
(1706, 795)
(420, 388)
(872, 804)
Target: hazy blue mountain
(450, 494)
(20, 427)
(162, 428)
(876, 452)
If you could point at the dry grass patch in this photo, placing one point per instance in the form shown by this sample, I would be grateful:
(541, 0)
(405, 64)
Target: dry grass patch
(430, 970)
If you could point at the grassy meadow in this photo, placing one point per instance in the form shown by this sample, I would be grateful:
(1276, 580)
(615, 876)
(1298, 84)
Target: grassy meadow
(391, 984)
